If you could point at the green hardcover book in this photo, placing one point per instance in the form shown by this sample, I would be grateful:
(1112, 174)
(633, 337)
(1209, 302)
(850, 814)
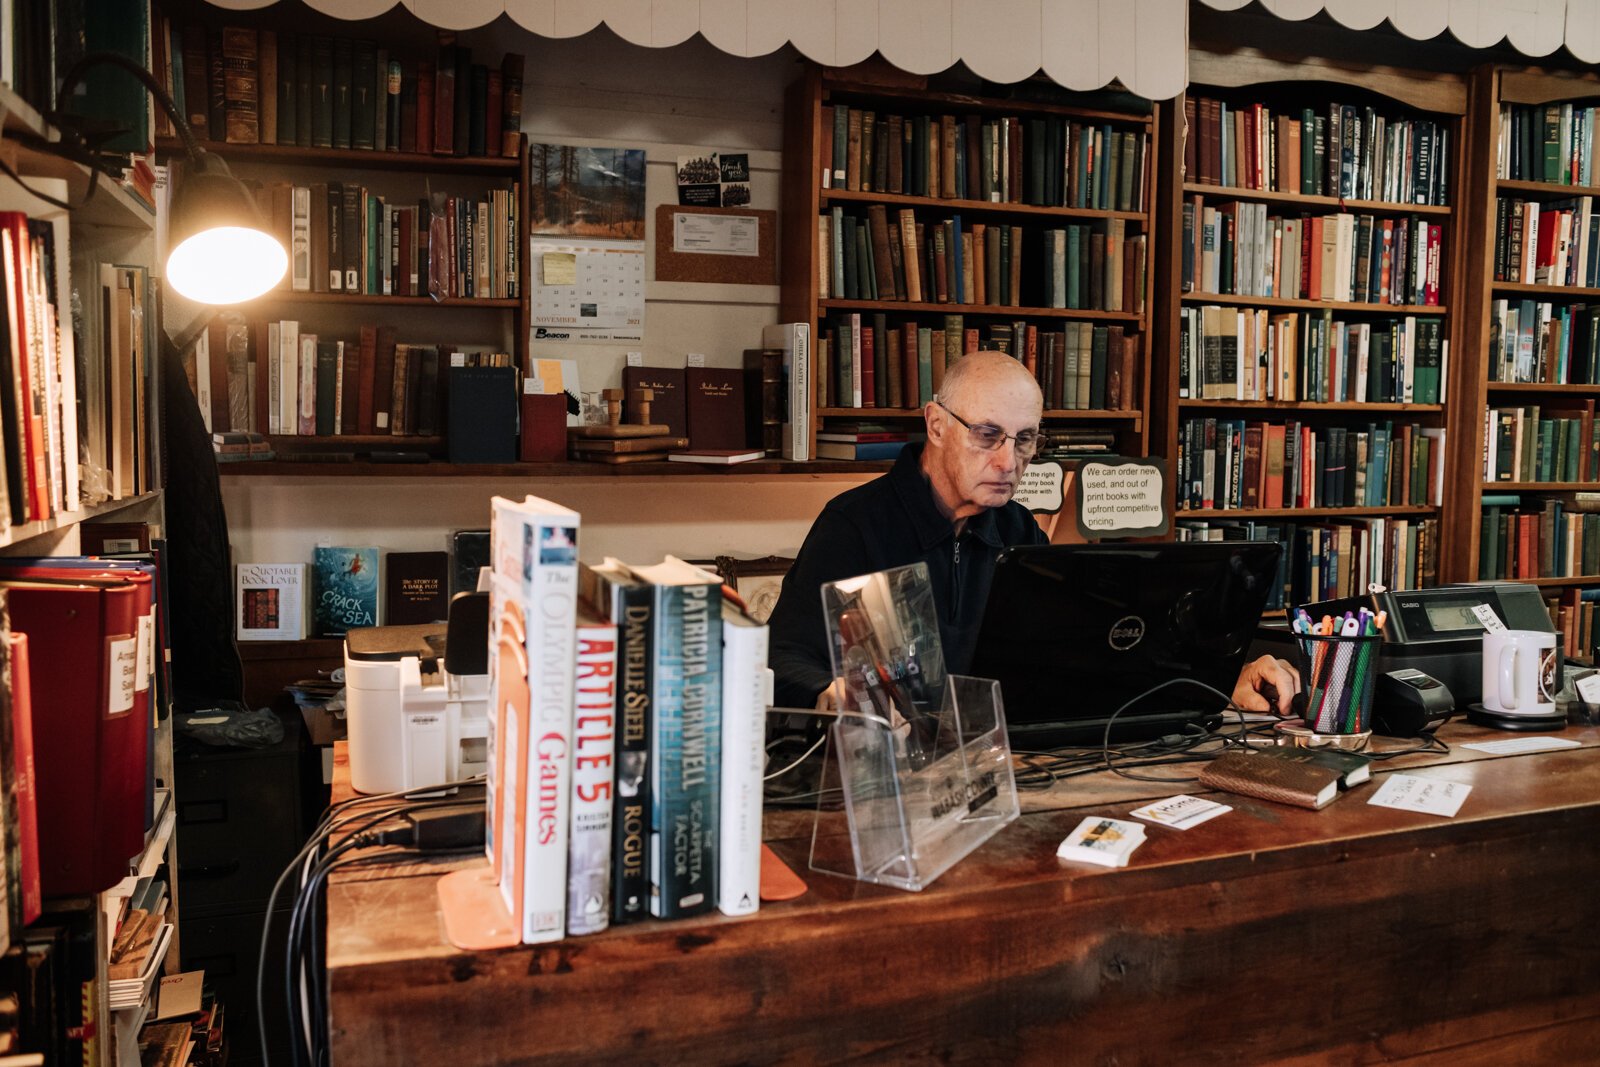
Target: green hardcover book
(1544, 450)
(372, 271)
(880, 360)
(1097, 368)
(1488, 543)
(288, 104)
(322, 92)
(1571, 449)
(925, 363)
(363, 84)
(954, 339)
(866, 277)
(843, 363)
(1125, 170)
(1069, 368)
(1552, 143)
(343, 75)
(852, 261)
(841, 143)
(1034, 143)
(327, 385)
(1073, 268)
(1105, 151)
(836, 245)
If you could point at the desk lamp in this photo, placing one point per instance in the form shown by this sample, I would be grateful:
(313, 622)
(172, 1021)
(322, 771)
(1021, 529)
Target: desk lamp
(221, 251)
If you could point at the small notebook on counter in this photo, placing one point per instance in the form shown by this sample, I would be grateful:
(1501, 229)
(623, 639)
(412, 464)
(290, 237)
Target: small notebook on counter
(1305, 777)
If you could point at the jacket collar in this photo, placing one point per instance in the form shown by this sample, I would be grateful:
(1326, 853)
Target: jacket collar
(927, 521)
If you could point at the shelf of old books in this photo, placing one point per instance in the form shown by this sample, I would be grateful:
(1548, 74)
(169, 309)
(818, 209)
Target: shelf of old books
(353, 158)
(353, 465)
(927, 218)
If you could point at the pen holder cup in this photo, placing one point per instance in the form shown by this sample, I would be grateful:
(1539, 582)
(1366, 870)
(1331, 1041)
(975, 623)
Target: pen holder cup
(1338, 675)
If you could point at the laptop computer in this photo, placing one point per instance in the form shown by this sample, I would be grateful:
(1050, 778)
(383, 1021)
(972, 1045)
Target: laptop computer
(1073, 632)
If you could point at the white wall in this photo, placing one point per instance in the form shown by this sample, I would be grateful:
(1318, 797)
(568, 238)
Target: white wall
(597, 90)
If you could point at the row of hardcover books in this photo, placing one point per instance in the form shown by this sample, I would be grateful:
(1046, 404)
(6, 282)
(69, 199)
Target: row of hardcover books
(344, 238)
(70, 399)
(1352, 153)
(1556, 344)
(1228, 353)
(240, 85)
(869, 362)
(1572, 613)
(627, 739)
(1527, 444)
(1547, 143)
(1326, 561)
(1230, 463)
(1048, 162)
(1093, 266)
(1240, 249)
(1555, 243)
(1553, 539)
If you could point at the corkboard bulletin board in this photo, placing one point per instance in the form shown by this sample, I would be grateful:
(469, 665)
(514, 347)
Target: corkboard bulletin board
(759, 269)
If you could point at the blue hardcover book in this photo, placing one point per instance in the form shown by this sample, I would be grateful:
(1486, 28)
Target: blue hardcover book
(344, 584)
(958, 292)
(685, 770)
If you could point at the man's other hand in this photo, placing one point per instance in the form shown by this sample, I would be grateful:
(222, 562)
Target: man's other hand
(1267, 684)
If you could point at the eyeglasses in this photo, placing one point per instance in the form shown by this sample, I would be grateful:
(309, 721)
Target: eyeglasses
(988, 438)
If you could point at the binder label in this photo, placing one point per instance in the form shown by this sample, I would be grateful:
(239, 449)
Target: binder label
(146, 653)
(123, 673)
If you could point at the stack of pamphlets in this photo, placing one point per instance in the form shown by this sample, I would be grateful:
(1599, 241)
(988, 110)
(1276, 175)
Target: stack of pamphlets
(1102, 841)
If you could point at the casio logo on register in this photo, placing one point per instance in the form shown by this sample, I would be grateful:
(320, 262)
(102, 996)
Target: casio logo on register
(1125, 633)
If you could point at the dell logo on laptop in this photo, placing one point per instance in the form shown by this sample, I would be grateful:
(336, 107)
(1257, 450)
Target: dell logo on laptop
(1125, 633)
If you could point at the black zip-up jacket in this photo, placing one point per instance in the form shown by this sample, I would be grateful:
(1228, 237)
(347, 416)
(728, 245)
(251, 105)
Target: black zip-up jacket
(889, 522)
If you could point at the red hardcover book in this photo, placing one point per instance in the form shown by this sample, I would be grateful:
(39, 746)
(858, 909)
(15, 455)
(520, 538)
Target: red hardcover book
(364, 378)
(1030, 350)
(382, 381)
(16, 273)
(444, 102)
(25, 775)
(911, 390)
(90, 764)
(494, 105)
(405, 276)
(869, 375)
(714, 405)
(511, 108)
(425, 92)
(544, 428)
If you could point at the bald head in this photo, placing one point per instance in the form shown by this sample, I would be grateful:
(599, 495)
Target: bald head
(984, 374)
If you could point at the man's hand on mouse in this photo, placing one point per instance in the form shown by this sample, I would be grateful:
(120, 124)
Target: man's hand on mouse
(1267, 684)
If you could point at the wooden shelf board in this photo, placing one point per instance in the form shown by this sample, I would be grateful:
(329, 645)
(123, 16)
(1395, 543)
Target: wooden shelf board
(868, 414)
(981, 309)
(1542, 387)
(1539, 487)
(1314, 305)
(334, 441)
(112, 205)
(1573, 579)
(1530, 289)
(1555, 189)
(18, 534)
(1297, 405)
(920, 99)
(902, 200)
(289, 296)
(358, 158)
(281, 468)
(1268, 196)
(1307, 513)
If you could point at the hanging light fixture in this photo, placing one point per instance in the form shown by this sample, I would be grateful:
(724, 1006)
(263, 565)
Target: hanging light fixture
(221, 251)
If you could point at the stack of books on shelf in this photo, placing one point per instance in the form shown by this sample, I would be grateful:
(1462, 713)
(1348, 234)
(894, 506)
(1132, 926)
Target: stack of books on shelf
(1553, 344)
(865, 441)
(1229, 353)
(1049, 161)
(1238, 248)
(344, 238)
(140, 938)
(1555, 243)
(241, 85)
(1530, 444)
(1093, 266)
(1540, 539)
(1547, 143)
(648, 796)
(241, 446)
(871, 361)
(1231, 463)
(1324, 561)
(1344, 151)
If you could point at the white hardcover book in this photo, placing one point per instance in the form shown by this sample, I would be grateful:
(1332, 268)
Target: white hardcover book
(300, 239)
(855, 360)
(269, 601)
(202, 377)
(746, 693)
(795, 340)
(593, 766)
(289, 376)
(550, 598)
(1409, 370)
(306, 407)
(274, 377)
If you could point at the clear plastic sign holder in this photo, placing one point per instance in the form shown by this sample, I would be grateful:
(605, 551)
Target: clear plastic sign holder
(917, 773)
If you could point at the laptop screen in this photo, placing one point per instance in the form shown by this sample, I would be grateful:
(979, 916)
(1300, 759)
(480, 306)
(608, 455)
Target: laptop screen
(1072, 632)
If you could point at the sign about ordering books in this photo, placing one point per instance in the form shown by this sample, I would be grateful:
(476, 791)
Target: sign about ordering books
(1122, 497)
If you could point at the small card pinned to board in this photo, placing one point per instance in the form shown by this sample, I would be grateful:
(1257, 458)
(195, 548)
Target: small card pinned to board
(180, 994)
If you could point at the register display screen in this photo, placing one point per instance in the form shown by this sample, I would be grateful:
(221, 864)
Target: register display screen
(1446, 617)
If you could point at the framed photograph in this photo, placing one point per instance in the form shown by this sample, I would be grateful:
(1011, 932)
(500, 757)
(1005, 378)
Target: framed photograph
(757, 581)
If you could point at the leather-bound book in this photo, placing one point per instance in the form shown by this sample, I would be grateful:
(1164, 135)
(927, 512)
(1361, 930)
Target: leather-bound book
(714, 406)
(1260, 775)
(668, 406)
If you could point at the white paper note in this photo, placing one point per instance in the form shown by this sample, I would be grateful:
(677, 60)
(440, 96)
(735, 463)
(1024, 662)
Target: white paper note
(1427, 795)
(1513, 745)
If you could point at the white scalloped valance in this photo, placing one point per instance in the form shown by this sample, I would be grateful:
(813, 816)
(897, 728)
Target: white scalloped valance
(1532, 27)
(1081, 44)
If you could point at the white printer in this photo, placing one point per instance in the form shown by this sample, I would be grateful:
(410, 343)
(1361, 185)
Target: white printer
(416, 700)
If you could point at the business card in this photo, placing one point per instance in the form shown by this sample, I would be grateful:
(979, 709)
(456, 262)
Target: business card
(1430, 796)
(1180, 812)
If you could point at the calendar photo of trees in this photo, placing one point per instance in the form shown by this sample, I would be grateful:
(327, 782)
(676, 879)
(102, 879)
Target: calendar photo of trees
(586, 192)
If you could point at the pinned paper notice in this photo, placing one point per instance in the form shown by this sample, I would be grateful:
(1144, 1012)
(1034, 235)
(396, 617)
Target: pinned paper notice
(1491, 621)
(1430, 796)
(559, 268)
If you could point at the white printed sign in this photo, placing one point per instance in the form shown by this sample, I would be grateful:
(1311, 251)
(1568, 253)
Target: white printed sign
(1040, 489)
(124, 656)
(1122, 497)
(1430, 796)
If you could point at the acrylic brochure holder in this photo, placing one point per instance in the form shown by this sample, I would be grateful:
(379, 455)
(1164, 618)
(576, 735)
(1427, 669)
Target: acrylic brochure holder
(918, 768)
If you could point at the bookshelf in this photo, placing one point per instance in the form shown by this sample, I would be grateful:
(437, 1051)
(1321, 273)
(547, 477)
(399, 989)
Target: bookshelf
(1532, 293)
(96, 460)
(1009, 163)
(1333, 293)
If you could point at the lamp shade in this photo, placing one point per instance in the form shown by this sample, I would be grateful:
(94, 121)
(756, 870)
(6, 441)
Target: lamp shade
(221, 252)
